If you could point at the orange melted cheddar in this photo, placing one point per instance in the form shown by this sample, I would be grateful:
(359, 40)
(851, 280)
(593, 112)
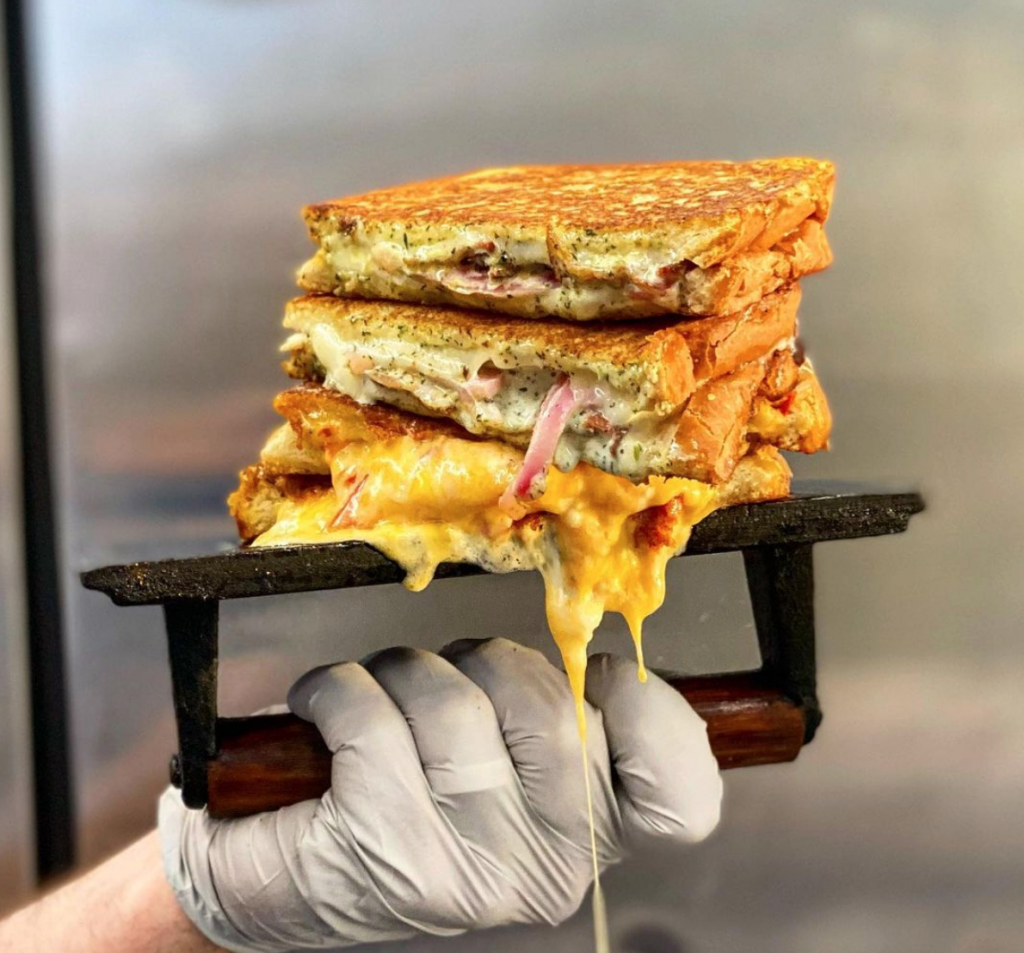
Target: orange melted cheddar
(600, 542)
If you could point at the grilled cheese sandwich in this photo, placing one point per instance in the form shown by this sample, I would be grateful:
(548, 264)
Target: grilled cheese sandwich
(617, 396)
(580, 242)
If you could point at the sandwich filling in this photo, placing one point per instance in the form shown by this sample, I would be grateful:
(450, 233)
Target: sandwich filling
(518, 277)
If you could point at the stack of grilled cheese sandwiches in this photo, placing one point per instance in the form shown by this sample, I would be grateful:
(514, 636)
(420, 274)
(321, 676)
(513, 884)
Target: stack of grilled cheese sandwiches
(559, 368)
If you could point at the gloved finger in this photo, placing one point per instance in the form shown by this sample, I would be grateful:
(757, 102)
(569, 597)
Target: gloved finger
(465, 760)
(537, 718)
(376, 772)
(381, 800)
(453, 723)
(668, 777)
(349, 708)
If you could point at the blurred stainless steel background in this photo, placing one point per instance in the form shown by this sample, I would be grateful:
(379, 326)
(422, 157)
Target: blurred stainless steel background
(180, 140)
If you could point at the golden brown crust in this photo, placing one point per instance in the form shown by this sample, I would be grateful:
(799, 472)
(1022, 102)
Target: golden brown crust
(282, 454)
(718, 345)
(741, 280)
(761, 475)
(772, 403)
(323, 414)
(711, 436)
(260, 493)
(721, 207)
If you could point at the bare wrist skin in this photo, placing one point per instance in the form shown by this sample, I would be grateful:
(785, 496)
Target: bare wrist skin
(122, 906)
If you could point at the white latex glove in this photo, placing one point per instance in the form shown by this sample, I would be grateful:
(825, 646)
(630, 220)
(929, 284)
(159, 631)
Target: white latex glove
(457, 801)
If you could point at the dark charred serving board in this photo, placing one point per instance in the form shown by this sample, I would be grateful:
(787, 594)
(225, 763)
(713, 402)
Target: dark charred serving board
(816, 512)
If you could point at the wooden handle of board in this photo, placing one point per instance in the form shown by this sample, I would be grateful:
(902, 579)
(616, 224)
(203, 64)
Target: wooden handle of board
(270, 761)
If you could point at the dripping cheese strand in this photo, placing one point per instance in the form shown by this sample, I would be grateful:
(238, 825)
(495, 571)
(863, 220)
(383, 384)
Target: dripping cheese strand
(600, 911)
(572, 636)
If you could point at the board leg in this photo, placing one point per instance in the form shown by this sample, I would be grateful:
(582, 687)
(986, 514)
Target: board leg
(192, 647)
(781, 583)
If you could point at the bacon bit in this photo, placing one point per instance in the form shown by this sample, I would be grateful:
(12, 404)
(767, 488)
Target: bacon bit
(669, 274)
(613, 447)
(360, 363)
(465, 281)
(654, 526)
(598, 423)
(343, 518)
(554, 414)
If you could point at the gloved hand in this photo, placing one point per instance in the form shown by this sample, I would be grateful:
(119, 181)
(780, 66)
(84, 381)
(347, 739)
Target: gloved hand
(457, 801)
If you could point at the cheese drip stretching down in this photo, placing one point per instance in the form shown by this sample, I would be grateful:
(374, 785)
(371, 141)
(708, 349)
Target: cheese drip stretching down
(600, 542)
(572, 624)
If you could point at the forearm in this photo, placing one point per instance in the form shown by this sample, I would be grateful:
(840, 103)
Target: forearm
(122, 906)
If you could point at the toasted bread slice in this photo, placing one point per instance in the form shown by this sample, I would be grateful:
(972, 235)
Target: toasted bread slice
(649, 360)
(659, 360)
(493, 376)
(580, 242)
(732, 413)
(721, 344)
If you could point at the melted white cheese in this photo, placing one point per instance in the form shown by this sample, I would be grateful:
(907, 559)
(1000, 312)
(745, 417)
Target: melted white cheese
(378, 267)
(423, 379)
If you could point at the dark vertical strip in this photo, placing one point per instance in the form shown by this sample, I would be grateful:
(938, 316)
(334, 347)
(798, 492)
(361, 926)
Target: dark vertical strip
(54, 809)
(193, 651)
(781, 583)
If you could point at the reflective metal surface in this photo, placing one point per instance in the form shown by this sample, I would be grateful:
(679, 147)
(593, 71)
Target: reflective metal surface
(181, 140)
